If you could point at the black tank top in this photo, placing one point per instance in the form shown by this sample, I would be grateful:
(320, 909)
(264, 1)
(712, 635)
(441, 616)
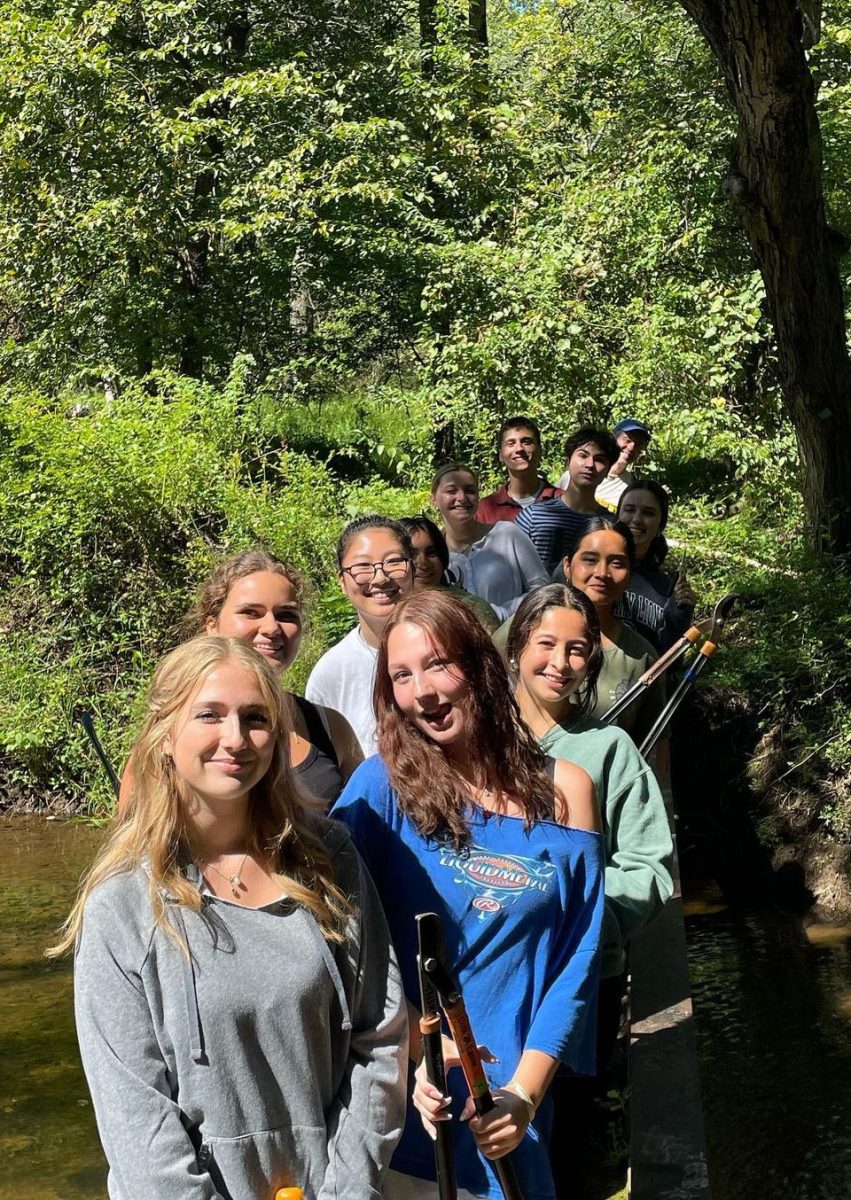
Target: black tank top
(319, 773)
(551, 771)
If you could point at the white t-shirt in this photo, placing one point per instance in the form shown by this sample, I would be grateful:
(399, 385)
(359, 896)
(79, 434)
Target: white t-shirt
(500, 567)
(343, 680)
(609, 491)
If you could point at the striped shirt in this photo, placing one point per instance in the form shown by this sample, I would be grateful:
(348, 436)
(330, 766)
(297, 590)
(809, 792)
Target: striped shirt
(553, 528)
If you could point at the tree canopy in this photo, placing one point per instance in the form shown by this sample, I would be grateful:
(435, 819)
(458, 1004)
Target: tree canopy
(348, 190)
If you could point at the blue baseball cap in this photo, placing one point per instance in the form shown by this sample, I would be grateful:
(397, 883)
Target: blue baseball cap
(630, 425)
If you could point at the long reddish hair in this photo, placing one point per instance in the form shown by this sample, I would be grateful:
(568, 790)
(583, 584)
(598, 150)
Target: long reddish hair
(512, 765)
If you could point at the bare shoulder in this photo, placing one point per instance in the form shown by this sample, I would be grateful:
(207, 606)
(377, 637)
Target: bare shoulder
(576, 799)
(337, 724)
(344, 740)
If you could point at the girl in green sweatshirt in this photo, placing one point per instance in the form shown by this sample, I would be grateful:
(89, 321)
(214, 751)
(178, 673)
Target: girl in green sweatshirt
(555, 655)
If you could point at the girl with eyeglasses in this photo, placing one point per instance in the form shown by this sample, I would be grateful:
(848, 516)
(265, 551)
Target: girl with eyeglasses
(374, 560)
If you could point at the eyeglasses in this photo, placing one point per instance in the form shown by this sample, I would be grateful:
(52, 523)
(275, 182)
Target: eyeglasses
(395, 567)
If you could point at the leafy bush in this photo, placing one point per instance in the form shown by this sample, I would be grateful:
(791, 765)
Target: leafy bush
(112, 511)
(785, 666)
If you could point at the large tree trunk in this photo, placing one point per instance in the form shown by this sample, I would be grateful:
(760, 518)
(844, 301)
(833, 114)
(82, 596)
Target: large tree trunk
(777, 184)
(427, 13)
(477, 11)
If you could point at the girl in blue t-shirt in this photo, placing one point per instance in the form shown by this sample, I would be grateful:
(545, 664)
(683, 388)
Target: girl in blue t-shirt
(462, 814)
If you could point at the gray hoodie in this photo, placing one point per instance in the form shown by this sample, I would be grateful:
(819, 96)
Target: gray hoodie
(271, 1058)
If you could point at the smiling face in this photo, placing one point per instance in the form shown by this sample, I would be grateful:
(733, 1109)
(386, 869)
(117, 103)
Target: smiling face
(641, 512)
(631, 444)
(456, 497)
(261, 609)
(428, 569)
(554, 661)
(375, 597)
(588, 465)
(431, 692)
(222, 744)
(520, 449)
(600, 567)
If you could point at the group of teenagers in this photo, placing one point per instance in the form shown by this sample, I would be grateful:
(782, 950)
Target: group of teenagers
(246, 986)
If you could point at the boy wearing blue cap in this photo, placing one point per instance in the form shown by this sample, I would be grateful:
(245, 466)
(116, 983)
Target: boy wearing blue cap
(632, 437)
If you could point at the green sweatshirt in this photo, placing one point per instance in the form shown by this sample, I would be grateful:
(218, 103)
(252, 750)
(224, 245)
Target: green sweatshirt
(624, 662)
(637, 834)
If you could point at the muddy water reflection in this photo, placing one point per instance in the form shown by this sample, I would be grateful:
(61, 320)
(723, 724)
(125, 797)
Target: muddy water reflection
(773, 1021)
(49, 1147)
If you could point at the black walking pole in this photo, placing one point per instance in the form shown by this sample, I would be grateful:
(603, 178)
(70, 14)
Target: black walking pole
(85, 719)
(432, 1037)
(719, 619)
(433, 959)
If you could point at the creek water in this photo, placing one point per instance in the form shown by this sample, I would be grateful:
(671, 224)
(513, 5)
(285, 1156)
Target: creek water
(772, 1006)
(48, 1140)
(773, 1020)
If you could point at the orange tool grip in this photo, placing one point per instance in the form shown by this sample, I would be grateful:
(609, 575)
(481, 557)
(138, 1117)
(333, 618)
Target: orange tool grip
(468, 1051)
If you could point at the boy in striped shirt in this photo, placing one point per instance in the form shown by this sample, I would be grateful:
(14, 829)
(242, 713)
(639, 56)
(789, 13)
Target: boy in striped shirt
(554, 525)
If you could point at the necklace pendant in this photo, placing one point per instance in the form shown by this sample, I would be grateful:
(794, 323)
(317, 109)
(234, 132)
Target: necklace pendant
(235, 884)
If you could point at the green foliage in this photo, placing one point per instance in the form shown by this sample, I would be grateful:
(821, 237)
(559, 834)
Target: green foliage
(786, 664)
(111, 513)
(356, 243)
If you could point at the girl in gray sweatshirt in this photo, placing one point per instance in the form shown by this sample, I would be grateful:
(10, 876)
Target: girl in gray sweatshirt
(239, 1011)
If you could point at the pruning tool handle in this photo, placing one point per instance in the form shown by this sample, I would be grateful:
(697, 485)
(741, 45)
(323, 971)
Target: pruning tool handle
(468, 1052)
(659, 667)
(432, 1043)
(701, 658)
(686, 683)
(444, 1155)
(431, 962)
(85, 719)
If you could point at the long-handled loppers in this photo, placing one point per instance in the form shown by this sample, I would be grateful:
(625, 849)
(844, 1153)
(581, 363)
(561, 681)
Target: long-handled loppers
(719, 619)
(432, 1036)
(433, 966)
(659, 667)
(85, 719)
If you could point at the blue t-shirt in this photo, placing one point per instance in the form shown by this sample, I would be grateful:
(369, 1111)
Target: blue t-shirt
(522, 914)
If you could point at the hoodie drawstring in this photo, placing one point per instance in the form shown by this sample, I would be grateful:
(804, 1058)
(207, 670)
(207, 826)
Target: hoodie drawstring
(190, 995)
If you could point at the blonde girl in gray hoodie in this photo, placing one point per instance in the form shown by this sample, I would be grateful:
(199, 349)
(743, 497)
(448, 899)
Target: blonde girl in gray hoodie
(238, 1005)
